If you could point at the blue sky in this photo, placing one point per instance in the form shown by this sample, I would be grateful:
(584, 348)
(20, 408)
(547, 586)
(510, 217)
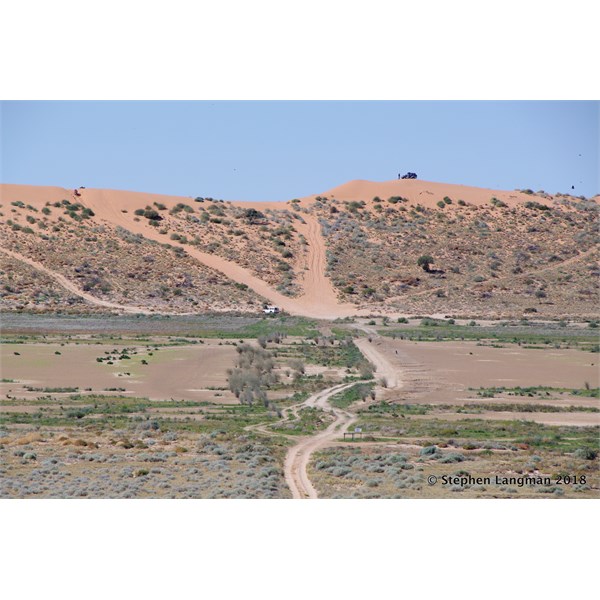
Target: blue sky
(280, 150)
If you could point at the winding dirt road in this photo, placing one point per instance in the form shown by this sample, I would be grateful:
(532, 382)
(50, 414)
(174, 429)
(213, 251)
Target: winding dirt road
(298, 456)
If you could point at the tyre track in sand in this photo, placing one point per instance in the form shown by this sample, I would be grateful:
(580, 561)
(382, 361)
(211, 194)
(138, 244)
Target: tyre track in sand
(319, 294)
(319, 299)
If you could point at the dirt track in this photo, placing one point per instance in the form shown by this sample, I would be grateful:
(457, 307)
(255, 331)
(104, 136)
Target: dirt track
(319, 296)
(298, 457)
(384, 369)
(299, 454)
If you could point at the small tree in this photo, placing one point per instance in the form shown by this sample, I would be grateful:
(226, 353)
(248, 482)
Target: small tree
(252, 215)
(366, 370)
(425, 262)
(152, 215)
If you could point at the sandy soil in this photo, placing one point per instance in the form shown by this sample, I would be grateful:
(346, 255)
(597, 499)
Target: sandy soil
(316, 302)
(464, 364)
(443, 372)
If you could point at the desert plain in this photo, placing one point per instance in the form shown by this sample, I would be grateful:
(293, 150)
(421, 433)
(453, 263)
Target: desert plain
(425, 332)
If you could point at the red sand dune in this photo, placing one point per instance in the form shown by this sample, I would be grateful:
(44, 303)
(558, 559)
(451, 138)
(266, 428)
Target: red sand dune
(319, 298)
(427, 193)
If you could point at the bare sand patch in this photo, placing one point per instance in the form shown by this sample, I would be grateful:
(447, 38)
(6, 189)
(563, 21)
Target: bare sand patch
(469, 365)
(443, 372)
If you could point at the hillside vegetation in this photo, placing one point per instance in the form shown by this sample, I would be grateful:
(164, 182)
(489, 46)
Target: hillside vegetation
(399, 247)
(488, 259)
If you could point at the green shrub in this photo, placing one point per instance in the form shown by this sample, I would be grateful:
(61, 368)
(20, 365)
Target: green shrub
(536, 206)
(152, 215)
(452, 457)
(425, 261)
(354, 206)
(586, 453)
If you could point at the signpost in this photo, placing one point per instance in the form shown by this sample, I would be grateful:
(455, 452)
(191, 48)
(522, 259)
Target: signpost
(357, 432)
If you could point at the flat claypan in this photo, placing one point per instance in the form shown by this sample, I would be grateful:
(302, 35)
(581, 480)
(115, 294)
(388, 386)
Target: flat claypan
(179, 372)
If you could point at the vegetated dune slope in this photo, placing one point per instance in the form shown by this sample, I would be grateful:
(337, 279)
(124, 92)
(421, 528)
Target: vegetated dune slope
(116, 208)
(497, 254)
(318, 297)
(427, 193)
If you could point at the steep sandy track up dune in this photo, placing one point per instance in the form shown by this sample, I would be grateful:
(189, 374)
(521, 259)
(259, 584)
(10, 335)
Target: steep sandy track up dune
(319, 299)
